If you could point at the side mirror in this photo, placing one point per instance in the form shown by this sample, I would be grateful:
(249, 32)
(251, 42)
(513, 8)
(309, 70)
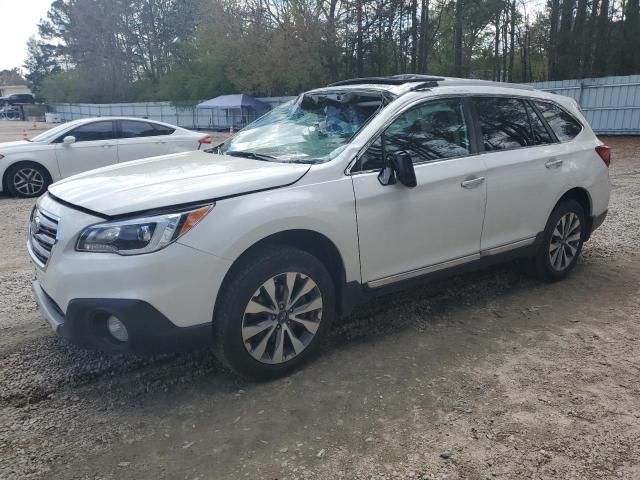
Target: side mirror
(387, 175)
(69, 139)
(400, 166)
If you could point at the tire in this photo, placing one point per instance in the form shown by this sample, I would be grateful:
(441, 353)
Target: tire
(550, 264)
(262, 343)
(27, 180)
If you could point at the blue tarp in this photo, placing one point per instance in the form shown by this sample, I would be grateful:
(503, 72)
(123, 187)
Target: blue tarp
(238, 101)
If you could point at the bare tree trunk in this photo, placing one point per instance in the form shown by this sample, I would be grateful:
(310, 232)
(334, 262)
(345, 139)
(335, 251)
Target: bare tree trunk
(414, 36)
(579, 30)
(602, 40)
(512, 39)
(590, 39)
(457, 42)
(553, 39)
(630, 60)
(505, 48)
(496, 50)
(332, 39)
(359, 47)
(525, 54)
(565, 54)
(424, 32)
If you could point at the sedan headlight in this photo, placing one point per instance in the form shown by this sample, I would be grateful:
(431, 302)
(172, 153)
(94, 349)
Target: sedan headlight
(140, 235)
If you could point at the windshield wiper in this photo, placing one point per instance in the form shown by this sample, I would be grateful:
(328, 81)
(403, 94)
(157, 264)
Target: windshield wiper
(252, 155)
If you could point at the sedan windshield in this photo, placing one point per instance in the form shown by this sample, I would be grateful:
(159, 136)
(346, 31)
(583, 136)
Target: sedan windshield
(52, 134)
(314, 128)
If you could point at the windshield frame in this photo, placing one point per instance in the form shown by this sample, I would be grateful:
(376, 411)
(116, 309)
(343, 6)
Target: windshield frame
(386, 98)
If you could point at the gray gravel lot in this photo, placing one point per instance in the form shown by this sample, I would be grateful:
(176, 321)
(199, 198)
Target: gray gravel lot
(489, 375)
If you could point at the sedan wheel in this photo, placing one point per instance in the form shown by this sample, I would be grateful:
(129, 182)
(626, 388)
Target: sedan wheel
(282, 318)
(27, 180)
(565, 241)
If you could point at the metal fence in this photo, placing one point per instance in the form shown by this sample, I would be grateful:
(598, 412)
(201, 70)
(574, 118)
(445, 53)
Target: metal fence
(187, 116)
(611, 104)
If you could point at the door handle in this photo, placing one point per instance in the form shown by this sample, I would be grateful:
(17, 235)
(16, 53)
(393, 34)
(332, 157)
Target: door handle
(110, 145)
(553, 163)
(472, 182)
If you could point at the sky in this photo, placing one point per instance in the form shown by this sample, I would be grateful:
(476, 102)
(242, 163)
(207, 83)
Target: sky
(19, 21)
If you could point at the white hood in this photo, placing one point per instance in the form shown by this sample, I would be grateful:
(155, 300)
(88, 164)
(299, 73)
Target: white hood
(11, 147)
(172, 180)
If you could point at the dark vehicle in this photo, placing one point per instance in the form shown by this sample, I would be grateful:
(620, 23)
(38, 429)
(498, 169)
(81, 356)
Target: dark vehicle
(9, 113)
(17, 98)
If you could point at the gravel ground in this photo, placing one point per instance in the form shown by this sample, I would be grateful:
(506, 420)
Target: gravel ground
(489, 375)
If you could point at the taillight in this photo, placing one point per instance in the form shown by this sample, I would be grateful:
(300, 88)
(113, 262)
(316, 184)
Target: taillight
(206, 140)
(605, 154)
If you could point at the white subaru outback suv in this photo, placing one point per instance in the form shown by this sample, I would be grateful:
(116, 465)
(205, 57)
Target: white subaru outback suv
(348, 191)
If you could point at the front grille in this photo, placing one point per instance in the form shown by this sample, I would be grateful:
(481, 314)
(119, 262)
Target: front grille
(42, 236)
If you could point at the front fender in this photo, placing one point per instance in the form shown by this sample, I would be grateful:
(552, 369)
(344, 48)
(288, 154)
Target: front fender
(327, 208)
(46, 160)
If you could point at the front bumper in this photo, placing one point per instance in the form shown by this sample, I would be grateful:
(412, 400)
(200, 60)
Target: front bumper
(84, 324)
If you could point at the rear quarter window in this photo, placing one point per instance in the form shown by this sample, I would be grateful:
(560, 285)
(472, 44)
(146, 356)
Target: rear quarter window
(163, 130)
(136, 129)
(562, 123)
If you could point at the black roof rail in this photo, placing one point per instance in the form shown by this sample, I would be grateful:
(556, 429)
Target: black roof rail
(424, 86)
(391, 80)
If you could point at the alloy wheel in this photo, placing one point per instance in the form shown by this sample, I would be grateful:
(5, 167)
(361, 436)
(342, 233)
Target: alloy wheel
(28, 181)
(282, 317)
(565, 241)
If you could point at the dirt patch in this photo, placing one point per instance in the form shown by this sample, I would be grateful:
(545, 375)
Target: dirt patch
(489, 375)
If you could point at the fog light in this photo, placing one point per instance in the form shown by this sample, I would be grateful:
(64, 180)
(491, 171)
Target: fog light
(117, 329)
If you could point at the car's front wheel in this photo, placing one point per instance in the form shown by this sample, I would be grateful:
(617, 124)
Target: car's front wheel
(273, 313)
(562, 241)
(27, 180)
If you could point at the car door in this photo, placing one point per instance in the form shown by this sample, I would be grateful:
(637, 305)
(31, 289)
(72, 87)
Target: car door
(522, 180)
(179, 140)
(404, 232)
(94, 147)
(140, 139)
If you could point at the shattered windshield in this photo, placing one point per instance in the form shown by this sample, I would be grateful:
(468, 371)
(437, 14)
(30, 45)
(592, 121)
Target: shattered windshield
(314, 128)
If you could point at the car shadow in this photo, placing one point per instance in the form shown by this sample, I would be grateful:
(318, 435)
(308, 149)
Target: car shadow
(386, 316)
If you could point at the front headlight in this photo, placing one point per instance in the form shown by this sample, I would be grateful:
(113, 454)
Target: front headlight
(140, 235)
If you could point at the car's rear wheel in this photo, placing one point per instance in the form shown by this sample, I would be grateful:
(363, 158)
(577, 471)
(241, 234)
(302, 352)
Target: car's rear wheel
(562, 241)
(27, 180)
(273, 312)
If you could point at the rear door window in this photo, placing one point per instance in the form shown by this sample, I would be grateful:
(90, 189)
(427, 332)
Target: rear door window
(504, 123)
(93, 132)
(563, 125)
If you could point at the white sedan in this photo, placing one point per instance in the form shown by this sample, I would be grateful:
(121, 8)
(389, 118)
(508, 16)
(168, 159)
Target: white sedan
(27, 167)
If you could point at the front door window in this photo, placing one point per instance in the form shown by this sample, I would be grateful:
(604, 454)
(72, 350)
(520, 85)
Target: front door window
(432, 131)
